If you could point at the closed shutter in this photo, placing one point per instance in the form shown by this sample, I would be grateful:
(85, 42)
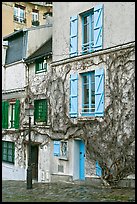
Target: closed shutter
(74, 95)
(56, 148)
(99, 92)
(98, 27)
(35, 110)
(73, 36)
(44, 113)
(17, 114)
(46, 110)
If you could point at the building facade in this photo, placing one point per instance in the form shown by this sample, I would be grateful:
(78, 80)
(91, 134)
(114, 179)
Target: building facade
(83, 97)
(18, 15)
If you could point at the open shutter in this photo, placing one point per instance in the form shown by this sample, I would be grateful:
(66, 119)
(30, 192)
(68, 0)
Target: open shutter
(73, 36)
(36, 66)
(3, 113)
(17, 114)
(46, 110)
(56, 148)
(98, 27)
(5, 110)
(74, 95)
(99, 92)
(98, 169)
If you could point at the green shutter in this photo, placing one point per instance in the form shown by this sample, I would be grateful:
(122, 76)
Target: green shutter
(3, 113)
(17, 114)
(5, 108)
(46, 110)
(36, 67)
(35, 111)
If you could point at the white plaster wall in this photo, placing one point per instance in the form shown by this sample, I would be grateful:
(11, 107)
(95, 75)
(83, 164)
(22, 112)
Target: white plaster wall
(119, 24)
(12, 172)
(67, 164)
(15, 76)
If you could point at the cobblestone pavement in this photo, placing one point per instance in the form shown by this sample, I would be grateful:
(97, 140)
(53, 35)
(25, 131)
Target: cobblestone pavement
(16, 191)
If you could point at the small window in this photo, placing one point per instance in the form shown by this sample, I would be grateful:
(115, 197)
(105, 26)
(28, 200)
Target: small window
(41, 66)
(88, 93)
(35, 17)
(19, 14)
(8, 151)
(61, 149)
(40, 110)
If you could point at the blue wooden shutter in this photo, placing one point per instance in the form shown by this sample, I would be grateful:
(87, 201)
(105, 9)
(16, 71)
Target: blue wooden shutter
(98, 169)
(73, 95)
(99, 92)
(56, 148)
(17, 114)
(73, 36)
(98, 27)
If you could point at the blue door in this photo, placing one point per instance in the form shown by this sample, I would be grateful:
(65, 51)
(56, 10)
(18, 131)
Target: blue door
(82, 160)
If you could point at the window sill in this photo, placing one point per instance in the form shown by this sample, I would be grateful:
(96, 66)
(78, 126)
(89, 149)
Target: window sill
(41, 71)
(63, 158)
(87, 118)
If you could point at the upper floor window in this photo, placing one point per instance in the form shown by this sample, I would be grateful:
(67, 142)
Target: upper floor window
(10, 114)
(87, 32)
(40, 65)
(8, 151)
(19, 13)
(91, 34)
(91, 101)
(35, 17)
(40, 110)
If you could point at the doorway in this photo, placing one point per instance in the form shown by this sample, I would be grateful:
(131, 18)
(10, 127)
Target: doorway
(34, 161)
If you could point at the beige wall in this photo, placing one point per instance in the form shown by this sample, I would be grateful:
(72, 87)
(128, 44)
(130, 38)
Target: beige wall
(8, 24)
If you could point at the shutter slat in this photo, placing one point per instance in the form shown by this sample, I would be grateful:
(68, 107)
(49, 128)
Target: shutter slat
(99, 92)
(98, 26)
(74, 95)
(73, 36)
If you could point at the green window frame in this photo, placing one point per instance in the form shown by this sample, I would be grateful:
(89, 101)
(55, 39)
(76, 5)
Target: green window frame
(11, 114)
(40, 65)
(8, 151)
(40, 110)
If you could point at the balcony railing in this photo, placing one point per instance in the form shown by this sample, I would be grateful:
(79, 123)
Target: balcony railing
(19, 19)
(35, 23)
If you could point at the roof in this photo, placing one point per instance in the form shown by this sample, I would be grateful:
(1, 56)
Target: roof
(21, 31)
(44, 50)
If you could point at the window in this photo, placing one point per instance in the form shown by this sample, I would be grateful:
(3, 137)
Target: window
(92, 86)
(40, 110)
(88, 93)
(92, 31)
(87, 32)
(40, 66)
(61, 149)
(19, 13)
(35, 17)
(8, 149)
(10, 114)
